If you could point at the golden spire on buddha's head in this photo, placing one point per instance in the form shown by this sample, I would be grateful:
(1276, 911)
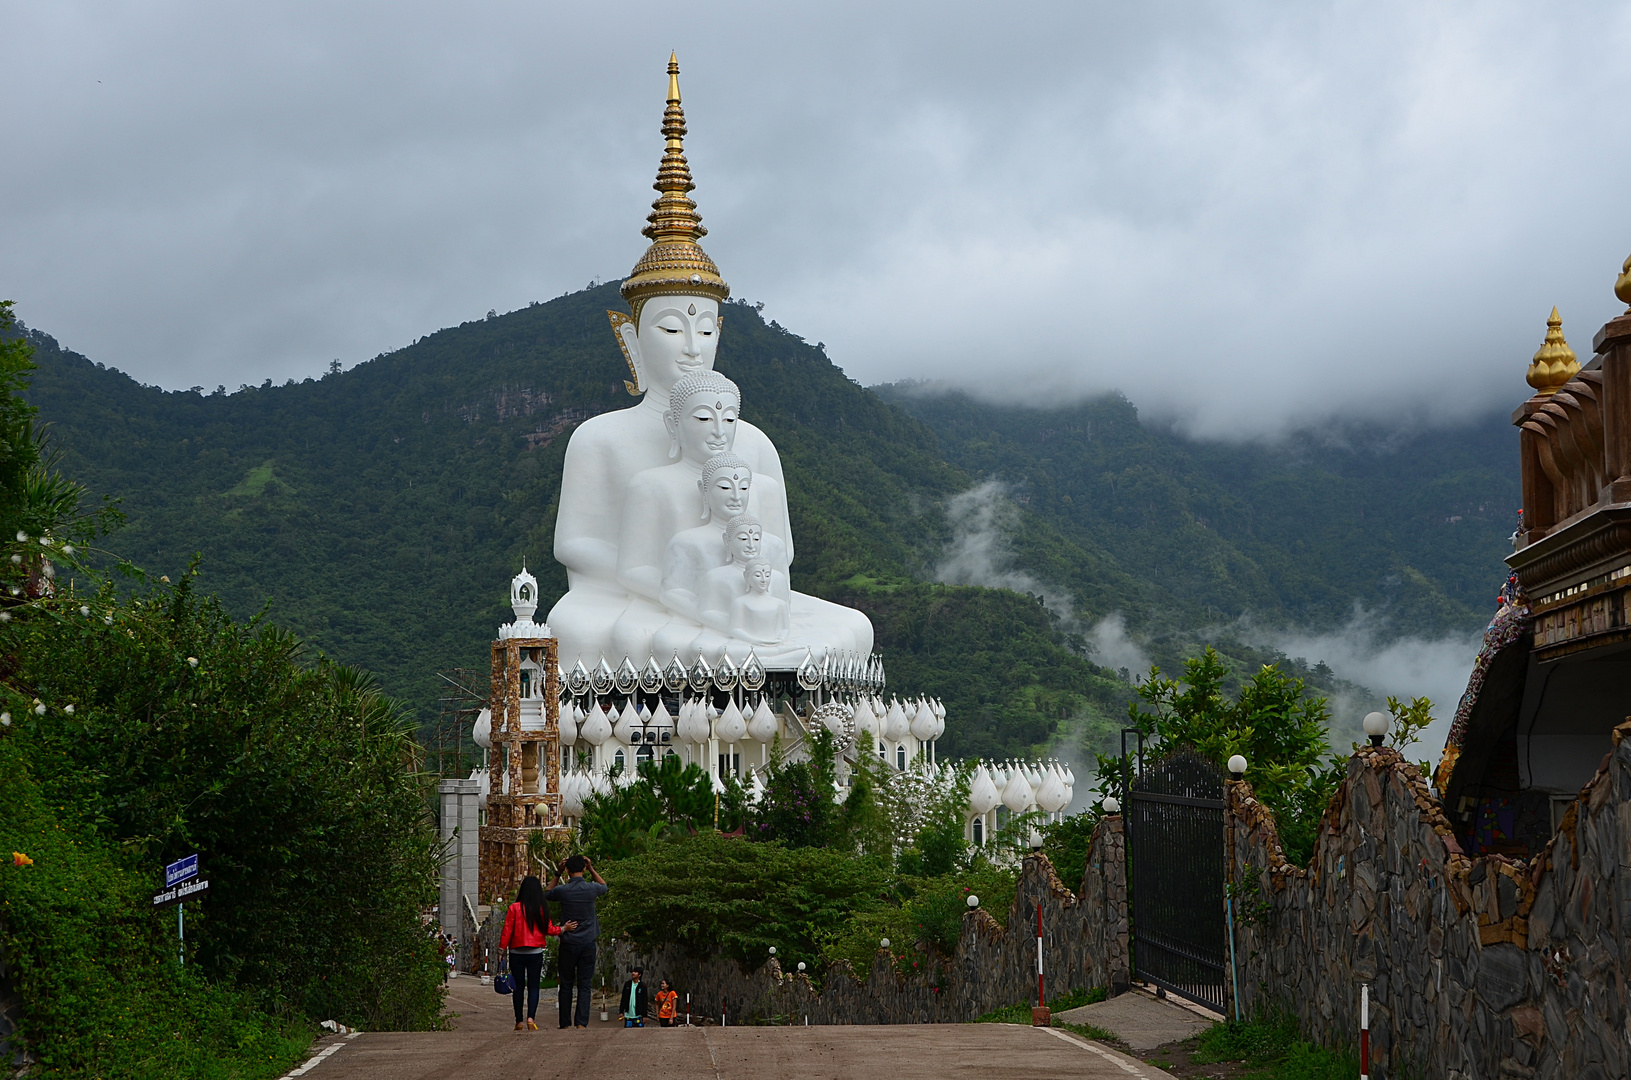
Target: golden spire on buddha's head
(1554, 363)
(675, 263)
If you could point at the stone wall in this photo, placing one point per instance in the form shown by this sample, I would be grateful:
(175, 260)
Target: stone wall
(1478, 968)
(1084, 946)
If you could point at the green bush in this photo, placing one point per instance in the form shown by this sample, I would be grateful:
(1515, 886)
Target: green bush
(1272, 1049)
(177, 730)
(96, 965)
(722, 895)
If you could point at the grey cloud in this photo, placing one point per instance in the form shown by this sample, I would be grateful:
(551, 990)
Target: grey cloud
(1242, 215)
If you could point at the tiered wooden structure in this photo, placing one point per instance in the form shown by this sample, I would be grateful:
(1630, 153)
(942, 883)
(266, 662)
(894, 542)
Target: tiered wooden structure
(1572, 556)
(524, 796)
(1554, 678)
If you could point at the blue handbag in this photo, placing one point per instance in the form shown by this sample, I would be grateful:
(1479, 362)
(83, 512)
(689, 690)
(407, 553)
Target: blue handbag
(504, 982)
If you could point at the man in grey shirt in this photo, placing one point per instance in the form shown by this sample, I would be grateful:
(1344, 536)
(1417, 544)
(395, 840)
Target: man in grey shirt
(577, 899)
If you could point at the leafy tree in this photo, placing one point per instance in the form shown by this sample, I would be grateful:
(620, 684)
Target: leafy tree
(1066, 843)
(1272, 722)
(719, 894)
(665, 798)
(141, 724)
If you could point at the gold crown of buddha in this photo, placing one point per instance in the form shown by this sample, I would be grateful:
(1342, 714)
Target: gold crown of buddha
(674, 263)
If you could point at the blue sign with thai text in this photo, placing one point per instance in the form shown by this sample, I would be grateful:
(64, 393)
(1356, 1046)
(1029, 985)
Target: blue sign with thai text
(181, 870)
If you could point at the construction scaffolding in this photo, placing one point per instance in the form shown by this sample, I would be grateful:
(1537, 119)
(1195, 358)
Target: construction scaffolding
(452, 752)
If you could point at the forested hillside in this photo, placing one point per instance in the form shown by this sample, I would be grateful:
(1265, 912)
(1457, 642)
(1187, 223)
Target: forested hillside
(379, 512)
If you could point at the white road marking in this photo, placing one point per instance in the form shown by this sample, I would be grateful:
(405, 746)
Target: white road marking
(1114, 1059)
(312, 1062)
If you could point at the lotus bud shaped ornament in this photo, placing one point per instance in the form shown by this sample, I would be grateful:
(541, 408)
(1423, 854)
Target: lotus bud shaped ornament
(753, 672)
(725, 675)
(578, 681)
(651, 677)
(1051, 796)
(627, 729)
(602, 680)
(809, 676)
(482, 734)
(895, 724)
(596, 728)
(693, 725)
(731, 727)
(674, 675)
(662, 724)
(763, 727)
(1017, 796)
(866, 721)
(702, 676)
(982, 793)
(569, 725)
(571, 796)
(627, 678)
(923, 722)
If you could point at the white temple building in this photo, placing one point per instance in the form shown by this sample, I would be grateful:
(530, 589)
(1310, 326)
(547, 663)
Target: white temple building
(736, 723)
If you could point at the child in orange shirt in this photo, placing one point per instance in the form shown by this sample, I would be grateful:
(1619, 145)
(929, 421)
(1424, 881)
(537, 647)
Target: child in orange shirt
(666, 998)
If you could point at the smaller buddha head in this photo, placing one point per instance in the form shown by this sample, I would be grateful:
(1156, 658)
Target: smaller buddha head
(758, 575)
(725, 481)
(702, 412)
(744, 539)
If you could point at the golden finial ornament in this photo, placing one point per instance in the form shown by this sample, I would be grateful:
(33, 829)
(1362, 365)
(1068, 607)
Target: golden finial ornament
(675, 263)
(1622, 286)
(1554, 363)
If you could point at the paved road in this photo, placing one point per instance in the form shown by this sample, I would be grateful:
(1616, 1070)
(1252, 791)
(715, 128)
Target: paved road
(485, 1044)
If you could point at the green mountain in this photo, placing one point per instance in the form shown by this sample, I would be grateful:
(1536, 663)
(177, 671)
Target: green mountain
(380, 512)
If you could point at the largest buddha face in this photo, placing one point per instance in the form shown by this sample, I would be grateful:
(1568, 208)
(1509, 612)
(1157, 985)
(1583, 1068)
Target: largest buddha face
(676, 336)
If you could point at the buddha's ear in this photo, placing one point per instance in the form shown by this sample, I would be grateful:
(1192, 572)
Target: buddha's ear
(702, 490)
(673, 435)
(628, 339)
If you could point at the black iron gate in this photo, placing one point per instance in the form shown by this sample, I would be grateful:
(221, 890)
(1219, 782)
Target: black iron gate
(1174, 819)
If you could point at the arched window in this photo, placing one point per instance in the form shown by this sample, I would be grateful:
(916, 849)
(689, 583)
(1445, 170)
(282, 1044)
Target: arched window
(979, 832)
(618, 761)
(645, 753)
(900, 758)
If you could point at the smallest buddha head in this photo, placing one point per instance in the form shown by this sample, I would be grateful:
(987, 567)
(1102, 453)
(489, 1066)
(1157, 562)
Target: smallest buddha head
(725, 481)
(701, 417)
(758, 574)
(744, 539)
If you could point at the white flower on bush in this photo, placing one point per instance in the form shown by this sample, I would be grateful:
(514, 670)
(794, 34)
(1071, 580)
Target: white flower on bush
(22, 537)
(39, 710)
(192, 661)
(5, 719)
(108, 619)
(85, 610)
(69, 709)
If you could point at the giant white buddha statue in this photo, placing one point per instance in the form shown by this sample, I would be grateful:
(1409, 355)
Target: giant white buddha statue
(614, 546)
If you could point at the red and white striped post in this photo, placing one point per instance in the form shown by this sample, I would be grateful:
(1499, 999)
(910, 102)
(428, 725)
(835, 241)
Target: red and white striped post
(1364, 1032)
(1039, 1015)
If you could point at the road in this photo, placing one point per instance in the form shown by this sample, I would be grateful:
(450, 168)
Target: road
(484, 1043)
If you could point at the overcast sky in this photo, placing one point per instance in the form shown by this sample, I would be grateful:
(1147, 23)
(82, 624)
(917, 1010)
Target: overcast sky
(1245, 215)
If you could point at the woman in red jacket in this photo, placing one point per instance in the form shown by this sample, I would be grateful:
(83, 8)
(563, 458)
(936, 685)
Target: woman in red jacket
(526, 931)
